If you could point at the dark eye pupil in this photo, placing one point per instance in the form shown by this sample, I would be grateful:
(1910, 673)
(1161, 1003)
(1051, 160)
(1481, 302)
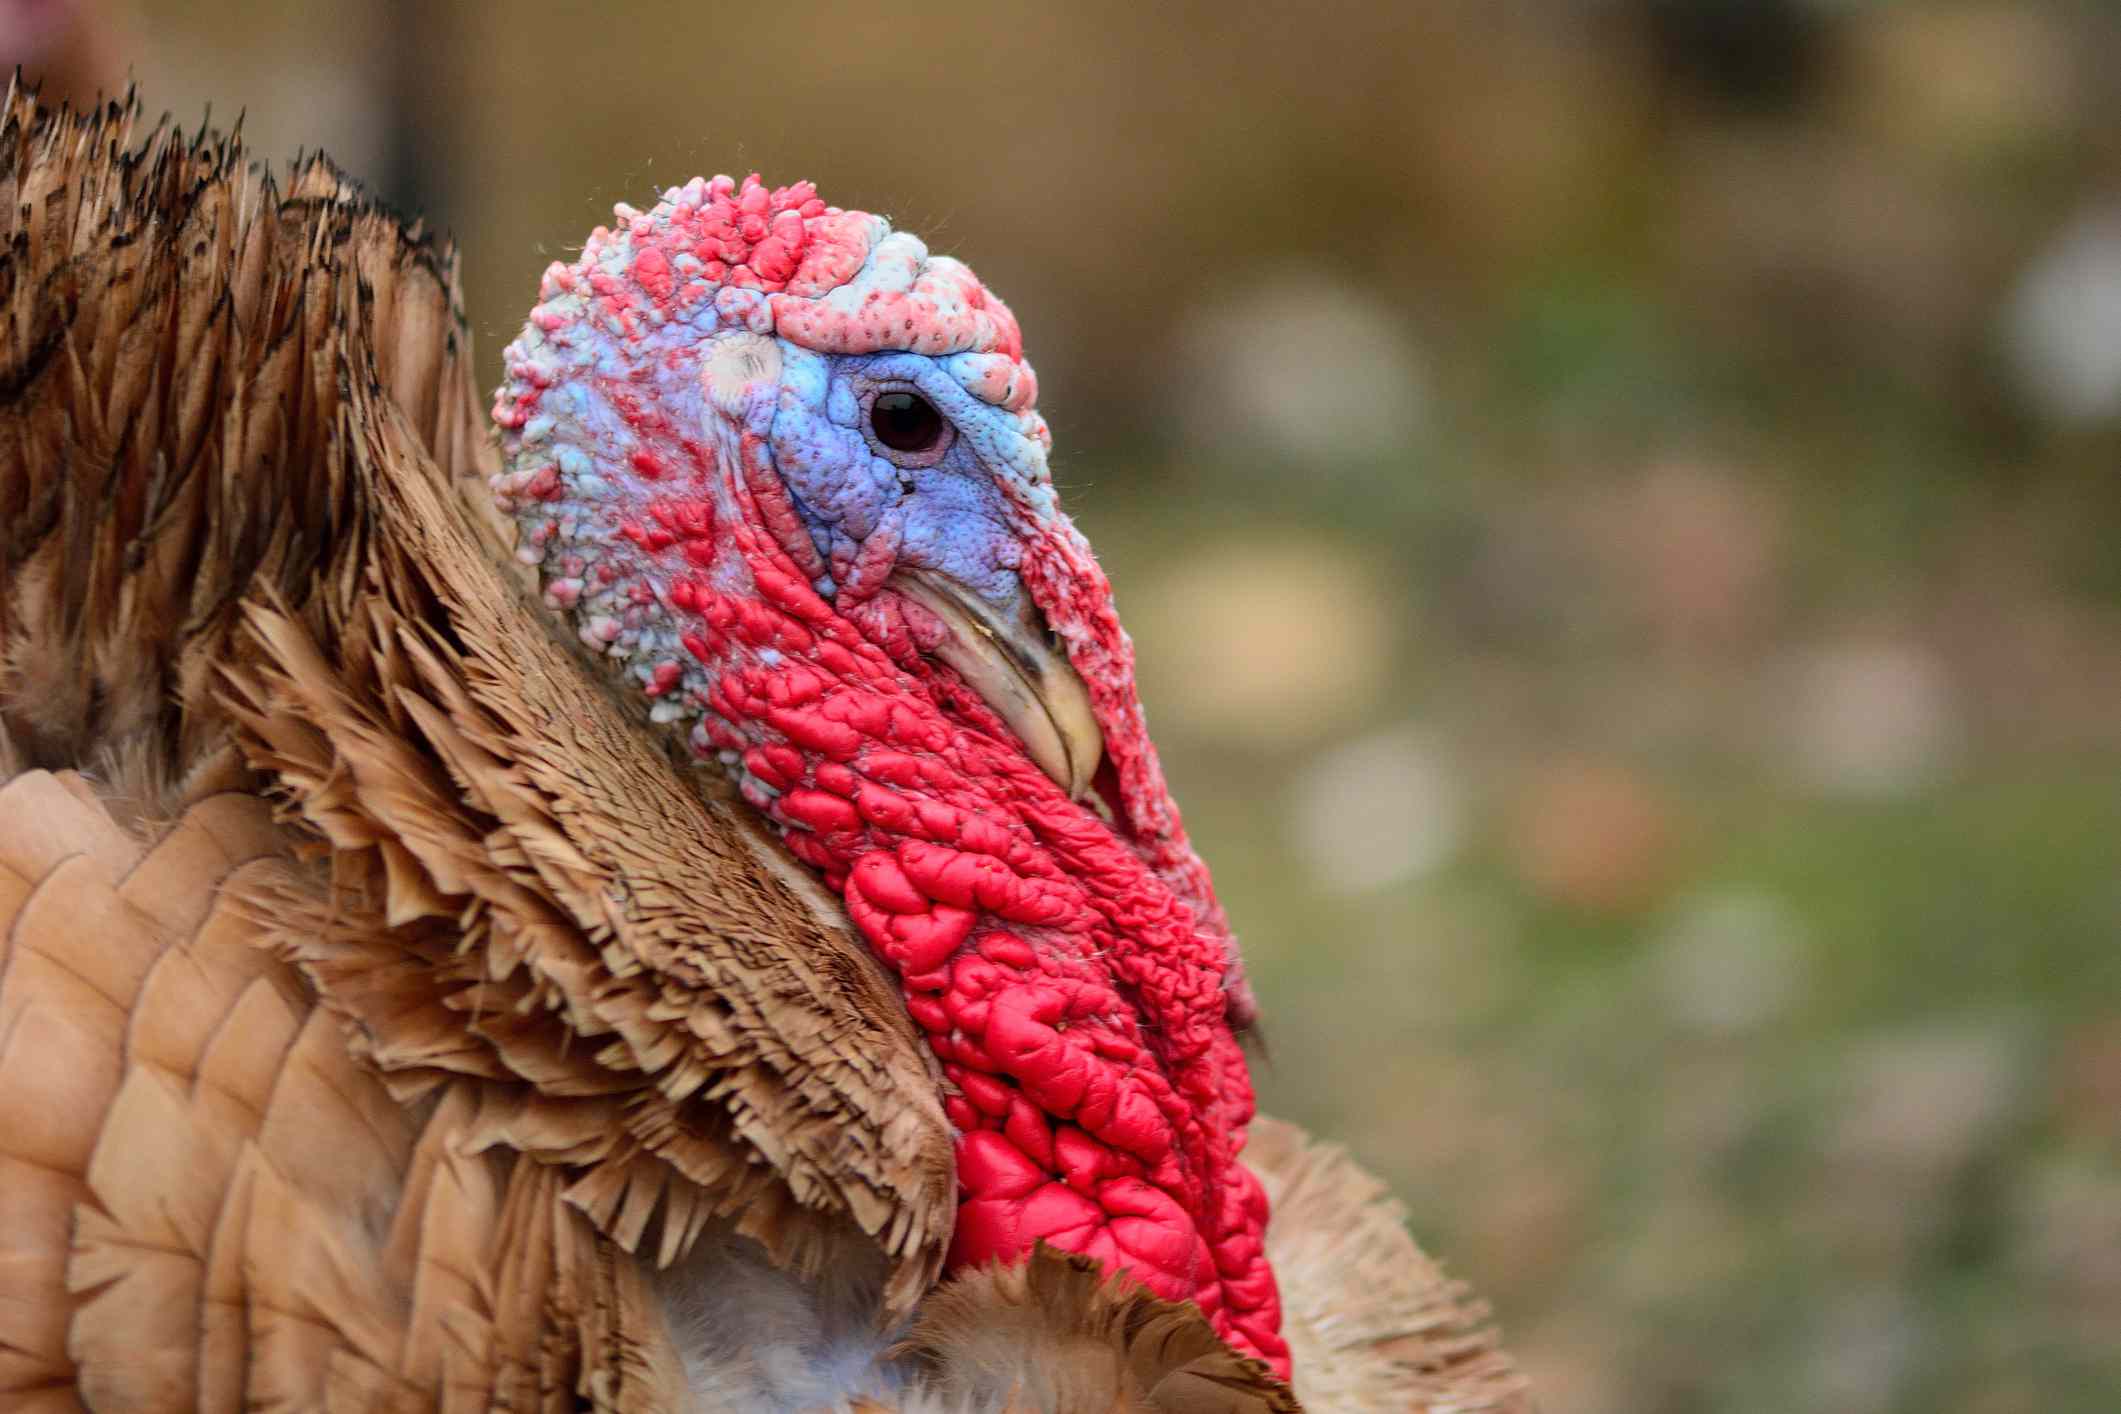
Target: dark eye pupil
(905, 422)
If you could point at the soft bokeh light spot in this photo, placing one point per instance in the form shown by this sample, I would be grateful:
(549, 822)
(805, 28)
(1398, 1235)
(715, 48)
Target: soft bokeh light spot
(1729, 962)
(1265, 640)
(1297, 367)
(1873, 718)
(1377, 810)
(2062, 326)
(1592, 835)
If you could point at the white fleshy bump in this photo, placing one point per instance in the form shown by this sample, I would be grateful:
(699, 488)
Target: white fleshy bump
(739, 363)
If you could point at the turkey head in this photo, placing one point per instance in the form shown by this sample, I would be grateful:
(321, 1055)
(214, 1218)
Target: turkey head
(784, 469)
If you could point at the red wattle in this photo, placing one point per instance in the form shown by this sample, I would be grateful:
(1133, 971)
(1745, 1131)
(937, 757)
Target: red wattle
(1077, 1009)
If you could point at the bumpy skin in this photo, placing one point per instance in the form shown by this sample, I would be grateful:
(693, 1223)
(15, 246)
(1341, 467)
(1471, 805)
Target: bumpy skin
(685, 428)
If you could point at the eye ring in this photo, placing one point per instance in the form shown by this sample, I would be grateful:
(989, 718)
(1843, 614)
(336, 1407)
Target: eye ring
(905, 428)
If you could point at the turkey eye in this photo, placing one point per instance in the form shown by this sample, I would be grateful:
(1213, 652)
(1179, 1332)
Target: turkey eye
(905, 422)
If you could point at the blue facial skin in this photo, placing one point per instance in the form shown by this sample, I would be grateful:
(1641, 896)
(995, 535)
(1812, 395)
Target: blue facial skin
(950, 516)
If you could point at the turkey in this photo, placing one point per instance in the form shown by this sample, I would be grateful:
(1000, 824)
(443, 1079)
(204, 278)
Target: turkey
(669, 907)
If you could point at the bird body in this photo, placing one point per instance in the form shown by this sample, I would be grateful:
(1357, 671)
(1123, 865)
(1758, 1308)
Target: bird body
(393, 1011)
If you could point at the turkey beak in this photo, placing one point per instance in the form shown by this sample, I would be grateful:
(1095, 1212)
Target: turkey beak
(1016, 667)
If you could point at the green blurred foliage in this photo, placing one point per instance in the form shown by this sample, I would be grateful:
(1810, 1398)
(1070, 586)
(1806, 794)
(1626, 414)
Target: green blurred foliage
(1616, 499)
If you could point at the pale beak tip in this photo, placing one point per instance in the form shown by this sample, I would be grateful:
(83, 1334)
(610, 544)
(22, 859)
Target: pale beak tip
(1019, 673)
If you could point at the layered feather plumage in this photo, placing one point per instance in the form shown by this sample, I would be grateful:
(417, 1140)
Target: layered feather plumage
(381, 1008)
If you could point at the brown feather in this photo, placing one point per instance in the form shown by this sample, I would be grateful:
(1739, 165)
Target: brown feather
(231, 402)
(231, 420)
(1054, 1334)
(1372, 1322)
(211, 1201)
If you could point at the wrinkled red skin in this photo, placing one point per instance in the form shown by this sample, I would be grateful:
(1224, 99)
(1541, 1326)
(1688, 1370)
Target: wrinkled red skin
(1078, 1013)
(1081, 1010)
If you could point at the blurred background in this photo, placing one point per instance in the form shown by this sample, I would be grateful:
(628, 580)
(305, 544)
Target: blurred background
(1618, 503)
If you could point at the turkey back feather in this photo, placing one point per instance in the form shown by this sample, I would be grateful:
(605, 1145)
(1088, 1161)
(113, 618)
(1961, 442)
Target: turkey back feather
(233, 560)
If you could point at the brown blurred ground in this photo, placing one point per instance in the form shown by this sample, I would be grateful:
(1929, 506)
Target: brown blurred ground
(1618, 503)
